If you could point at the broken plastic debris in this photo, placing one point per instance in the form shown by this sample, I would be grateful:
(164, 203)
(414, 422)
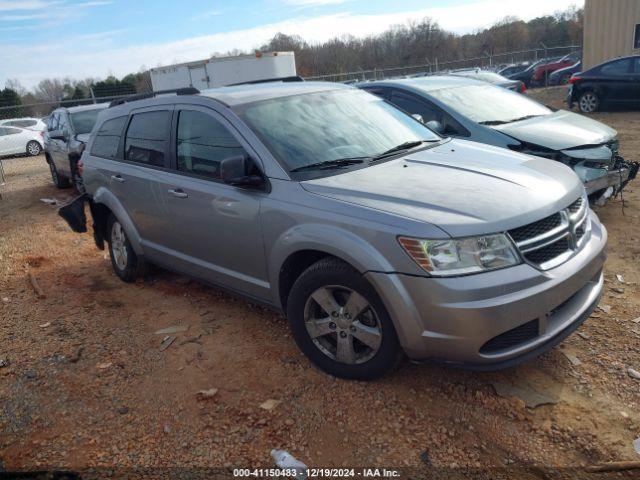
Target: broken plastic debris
(636, 445)
(620, 278)
(166, 343)
(287, 461)
(207, 393)
(49, 201)
(104, 366)
(170, 330)
(269, 404)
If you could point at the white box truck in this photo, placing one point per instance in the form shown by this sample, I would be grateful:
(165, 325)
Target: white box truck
(221, 71)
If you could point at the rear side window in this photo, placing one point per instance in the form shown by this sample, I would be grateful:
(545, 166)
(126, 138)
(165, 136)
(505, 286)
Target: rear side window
(147, 138)
(203, 142)
(23, 123)
(108, 138)
(53, 122)
(619, 67)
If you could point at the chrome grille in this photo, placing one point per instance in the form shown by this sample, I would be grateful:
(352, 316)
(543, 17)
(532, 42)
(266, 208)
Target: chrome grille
(553, 240)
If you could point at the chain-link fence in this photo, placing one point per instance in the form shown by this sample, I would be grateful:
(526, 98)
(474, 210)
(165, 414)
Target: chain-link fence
(43, 108)
(493, 62)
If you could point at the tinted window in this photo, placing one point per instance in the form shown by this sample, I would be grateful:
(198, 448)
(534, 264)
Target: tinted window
(63, 123)
(108, 138)
(203, 143)
(22, 123)
(636, 38)
(12, 131)
(84, 121)
(636, 64)
(147, 138)
(414, 106)
(53, 122)
(619, 67)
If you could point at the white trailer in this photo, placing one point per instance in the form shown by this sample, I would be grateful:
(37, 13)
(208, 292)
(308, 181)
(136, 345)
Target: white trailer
(218, 72)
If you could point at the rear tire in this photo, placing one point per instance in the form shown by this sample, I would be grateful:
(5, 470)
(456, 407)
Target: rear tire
(33, 148)
(123, 259)
(58, 181)
(589, 102)
(340, 323)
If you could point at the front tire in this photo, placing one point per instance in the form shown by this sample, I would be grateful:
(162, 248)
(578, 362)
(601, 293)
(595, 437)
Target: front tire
(340, 323)
(33, 148)
(123, 259)
(589, 102)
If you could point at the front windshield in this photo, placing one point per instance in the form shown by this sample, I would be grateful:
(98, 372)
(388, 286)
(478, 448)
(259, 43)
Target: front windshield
(328, 126)
(489, 104)
(84, 120)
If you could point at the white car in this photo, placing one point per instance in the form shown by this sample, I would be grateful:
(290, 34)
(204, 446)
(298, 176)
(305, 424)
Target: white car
(20, 141)
(28, 123)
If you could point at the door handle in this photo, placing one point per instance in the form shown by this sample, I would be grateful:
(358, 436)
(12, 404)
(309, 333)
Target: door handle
(117, 178)
(178, 193)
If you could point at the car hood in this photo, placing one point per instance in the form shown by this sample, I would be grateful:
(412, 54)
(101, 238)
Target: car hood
(462, 187)
(559, 131)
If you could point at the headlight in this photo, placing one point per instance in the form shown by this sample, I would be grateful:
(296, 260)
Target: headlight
(461, 256)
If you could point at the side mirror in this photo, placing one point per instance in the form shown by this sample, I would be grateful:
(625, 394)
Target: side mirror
(436, 126)
(57, 135)
(237, 171)
(418, 117)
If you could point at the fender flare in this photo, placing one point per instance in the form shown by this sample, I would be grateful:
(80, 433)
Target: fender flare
(334, 241)
(105, 197)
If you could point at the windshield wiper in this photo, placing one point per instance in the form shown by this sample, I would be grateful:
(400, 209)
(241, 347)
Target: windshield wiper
(502, 122)
(328, 164)
(400, 148)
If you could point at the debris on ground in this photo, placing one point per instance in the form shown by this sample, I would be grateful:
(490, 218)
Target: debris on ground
(269, 404)
(204, 394)
(45, 325)
(76, 356)
(172, 330)
(424, 456)
(166, 342)
(575, 361)
(104, 365)
(49, 201)
(605, 308)
(4, 362)
(36, 286)
(584, 335)
(636, 445)
(633, 373)
(636, 320)
(530, 397)
(620, 278)
(287, 461)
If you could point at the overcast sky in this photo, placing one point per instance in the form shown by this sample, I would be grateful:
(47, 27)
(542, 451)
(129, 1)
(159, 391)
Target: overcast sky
(95, 38)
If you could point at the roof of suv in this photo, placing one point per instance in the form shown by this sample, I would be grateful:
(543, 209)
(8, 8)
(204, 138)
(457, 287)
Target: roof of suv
(82, 108)
(430, 82)
(241, 94)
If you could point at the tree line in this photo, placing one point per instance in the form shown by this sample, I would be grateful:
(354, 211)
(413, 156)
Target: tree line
(414, 43)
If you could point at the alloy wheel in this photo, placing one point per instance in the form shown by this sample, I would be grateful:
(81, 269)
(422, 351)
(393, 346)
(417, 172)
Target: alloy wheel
(343, 325)
(118, 245)
(33, 148)
(588, 103)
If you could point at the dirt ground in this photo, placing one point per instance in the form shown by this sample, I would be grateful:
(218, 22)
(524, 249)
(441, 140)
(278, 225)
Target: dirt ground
(84, 383)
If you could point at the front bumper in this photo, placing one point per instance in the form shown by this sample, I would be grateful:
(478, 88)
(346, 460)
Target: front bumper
(613, 178)
(454, 319)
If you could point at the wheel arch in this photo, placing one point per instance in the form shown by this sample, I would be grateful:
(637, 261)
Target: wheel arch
(105, 203)
(301, 246)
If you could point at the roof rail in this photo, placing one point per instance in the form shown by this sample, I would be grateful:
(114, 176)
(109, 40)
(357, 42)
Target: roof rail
(295, 78)
(142, 96)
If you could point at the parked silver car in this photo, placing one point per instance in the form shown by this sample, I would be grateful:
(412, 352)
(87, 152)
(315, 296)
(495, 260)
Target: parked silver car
(373, 234)
(468, 108)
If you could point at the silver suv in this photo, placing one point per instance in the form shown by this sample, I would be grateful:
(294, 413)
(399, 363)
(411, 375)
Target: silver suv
(374, 235)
